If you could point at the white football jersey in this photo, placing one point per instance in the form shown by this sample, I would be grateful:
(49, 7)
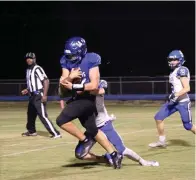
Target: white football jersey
(174, 79)
(102, 116)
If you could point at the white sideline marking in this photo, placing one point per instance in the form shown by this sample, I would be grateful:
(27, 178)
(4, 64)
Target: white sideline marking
(146, 130)
(38, 149)
(13, 144)
(72, 142)
(20, 124)
(11, 125)
(52, 117)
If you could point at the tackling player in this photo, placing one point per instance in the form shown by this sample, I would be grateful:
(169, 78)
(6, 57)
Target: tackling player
(104, 123)
(178, 100)
(78, 64)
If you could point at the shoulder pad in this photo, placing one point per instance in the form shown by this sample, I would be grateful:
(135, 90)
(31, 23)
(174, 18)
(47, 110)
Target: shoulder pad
(93, 59)
(183, 71)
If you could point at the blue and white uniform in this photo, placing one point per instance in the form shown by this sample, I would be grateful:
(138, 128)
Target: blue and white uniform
(183, 104)
(104, 123)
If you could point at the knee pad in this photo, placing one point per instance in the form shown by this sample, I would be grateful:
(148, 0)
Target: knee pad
(188, 126)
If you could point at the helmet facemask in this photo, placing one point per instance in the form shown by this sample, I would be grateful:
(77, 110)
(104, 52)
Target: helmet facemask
(175, 59)
(72, 56)
(173, 63)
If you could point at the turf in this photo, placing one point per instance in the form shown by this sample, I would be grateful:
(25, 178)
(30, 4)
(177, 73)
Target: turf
(42, 158)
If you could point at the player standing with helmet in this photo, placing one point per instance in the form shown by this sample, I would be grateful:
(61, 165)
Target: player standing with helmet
(178, 100)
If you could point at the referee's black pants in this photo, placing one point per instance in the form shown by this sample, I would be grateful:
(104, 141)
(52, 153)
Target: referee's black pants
(36, 107)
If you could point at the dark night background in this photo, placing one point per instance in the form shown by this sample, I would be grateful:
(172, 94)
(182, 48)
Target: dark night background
(133, 38)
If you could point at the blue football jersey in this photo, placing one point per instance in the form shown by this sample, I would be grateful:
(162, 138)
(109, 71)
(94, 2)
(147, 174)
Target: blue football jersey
(89, 61)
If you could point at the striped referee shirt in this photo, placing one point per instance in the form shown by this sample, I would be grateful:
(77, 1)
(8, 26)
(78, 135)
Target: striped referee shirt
(34, 78)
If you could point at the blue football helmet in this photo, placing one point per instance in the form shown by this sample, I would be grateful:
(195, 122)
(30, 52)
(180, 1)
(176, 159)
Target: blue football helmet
(176, 55)
(75, 49)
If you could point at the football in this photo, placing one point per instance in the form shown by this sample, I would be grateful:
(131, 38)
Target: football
(76, 81)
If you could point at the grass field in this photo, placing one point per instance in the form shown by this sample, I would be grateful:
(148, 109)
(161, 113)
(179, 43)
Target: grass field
(42, 158)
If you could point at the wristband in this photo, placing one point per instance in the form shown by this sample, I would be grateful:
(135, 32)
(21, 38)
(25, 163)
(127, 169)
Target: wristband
(78, 87)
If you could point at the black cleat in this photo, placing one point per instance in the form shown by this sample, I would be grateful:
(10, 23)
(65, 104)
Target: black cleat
(83, 147)
(29, 134)
(116, 159)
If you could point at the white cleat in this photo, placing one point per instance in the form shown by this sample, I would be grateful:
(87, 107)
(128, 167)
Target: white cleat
(55, 137)
(150, 163)
(157, 144)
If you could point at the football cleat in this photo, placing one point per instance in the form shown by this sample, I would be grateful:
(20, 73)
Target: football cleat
(83, 147)
(149, 163)
(157, 144)
(117, 160)
(29, 134)
(55, 137)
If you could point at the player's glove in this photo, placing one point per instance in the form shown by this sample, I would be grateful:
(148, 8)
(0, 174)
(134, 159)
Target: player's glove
(103, 84)
(172, 98)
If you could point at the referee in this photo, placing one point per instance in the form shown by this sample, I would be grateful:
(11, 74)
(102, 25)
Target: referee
(37, 88)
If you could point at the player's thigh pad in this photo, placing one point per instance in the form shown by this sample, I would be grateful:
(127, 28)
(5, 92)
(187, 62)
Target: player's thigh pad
(165, 111)
(184, 109)
(113, 136)
(72, 111)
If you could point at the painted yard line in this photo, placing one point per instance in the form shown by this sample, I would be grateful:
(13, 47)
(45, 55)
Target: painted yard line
(131, 121)
(38, 149)
(72, 142)
(146, 130)
(121, 133)
(23, 124)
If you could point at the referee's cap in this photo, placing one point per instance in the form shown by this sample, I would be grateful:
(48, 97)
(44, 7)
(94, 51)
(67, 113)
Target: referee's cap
(30, 55)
